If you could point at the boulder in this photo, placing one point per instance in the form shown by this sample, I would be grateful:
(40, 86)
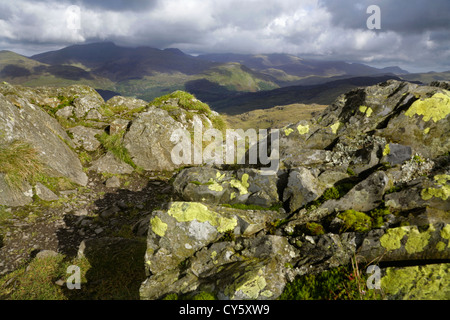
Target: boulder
(108, 163)
(14, 197)
(21, 120)
(246, 186)
(365, 196)
(302, 188)
(44, 193)
(149, 140)
(85, 137)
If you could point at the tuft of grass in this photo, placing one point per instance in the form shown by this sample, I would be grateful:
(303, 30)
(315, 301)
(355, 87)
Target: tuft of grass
(340, 283)
(114, 144)
(185, 100)
(35, 282)
(19, 162)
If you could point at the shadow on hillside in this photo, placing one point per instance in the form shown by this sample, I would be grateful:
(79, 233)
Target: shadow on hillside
(112, 238)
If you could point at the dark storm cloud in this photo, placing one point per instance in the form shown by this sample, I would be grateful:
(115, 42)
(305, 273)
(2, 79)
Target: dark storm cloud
(414, 33)
(404, 16)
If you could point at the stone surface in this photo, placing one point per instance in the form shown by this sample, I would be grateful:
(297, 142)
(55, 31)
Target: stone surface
(85, 137)
(14, 197)
(149, 140)
(32, 125)
(109, 164)
(45, 193)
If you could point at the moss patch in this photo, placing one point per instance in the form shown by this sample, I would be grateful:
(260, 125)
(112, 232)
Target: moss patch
(356, 221)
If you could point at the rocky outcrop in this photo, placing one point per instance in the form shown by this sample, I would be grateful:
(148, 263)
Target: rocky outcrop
(369, 179)
(22, 120)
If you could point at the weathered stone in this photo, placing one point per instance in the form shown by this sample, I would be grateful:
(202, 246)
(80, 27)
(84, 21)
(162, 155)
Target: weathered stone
(44, 193)
(14, 197)
(113, 182)
(246, 186)
(85, 137)
(118, 126)
(65, 112)
(109, 164)
(126, 102)
(396, 153)
(32, 125)
(302, 188)
(149, 140)
(365, 196)
(86, 103)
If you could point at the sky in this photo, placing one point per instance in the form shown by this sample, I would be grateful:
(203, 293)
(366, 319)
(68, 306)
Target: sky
(413, 34)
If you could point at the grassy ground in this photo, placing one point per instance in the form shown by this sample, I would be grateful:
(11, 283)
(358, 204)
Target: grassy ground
(277, 117)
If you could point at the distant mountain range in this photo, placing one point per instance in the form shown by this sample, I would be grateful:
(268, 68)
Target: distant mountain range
(225, 81)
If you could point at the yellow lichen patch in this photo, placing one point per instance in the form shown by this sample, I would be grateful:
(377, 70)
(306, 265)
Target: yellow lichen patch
(442, 178)
(288, 131)
(426, 131)
(417, 241)
(442, 193)
(391, 240)
(335, 127)
(214, 186)
(430, 282)
(445, 234)
(189, 211)
(241, 185)
(387, 150)
(435, 108)
(220, 177)
(303, 129)
(440, 246)
(250, 285)
(158, 227)
(367, 110)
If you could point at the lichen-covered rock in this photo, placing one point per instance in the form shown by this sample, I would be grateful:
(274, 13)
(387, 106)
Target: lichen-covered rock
(246, 186)
(403, 113)
(427, 282)
(408, 243)
(180, 231)
(422, 193)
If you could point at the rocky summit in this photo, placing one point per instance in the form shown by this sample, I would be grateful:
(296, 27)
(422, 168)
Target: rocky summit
(361, 196)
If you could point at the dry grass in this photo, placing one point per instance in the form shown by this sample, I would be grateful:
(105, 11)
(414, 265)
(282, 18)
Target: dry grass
(276, 117)
(19, 162)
